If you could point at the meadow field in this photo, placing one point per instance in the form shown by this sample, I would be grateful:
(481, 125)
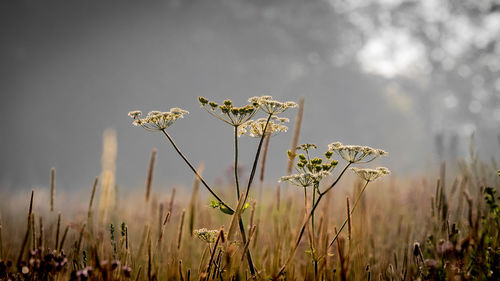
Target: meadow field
(332, 216)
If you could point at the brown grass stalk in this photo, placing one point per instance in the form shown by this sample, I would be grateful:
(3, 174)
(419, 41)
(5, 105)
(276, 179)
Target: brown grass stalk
(179, 230)
(52, 188)
(149, 179)
(26, 236)
(296, 134)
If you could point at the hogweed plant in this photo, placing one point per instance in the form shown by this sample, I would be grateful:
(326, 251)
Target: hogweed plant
(239, 119)
(312, 171)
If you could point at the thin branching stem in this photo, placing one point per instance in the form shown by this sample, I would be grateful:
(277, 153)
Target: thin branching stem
(257, 154)
(236, 180)
(195, 172)
(311, 213)
(352, 211)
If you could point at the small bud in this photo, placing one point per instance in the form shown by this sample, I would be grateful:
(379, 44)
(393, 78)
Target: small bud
(203, 101)
(213, 105)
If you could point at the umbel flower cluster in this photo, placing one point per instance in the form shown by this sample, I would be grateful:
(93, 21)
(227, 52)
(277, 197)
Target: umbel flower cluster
(255, 129)
(228, 113)
(208, 236)
(271, 106)
(356, 153)
(157, 120)
(310, 171)
(371, 174)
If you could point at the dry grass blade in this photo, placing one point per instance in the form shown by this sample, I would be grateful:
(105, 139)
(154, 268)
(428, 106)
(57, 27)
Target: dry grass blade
(61, 245)
(149, 178)
(348, 218)
(26, 236)
(52, 188)
(179, 231)
(296, 134)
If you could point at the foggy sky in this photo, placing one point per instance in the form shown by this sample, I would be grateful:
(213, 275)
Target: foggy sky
(71, 69)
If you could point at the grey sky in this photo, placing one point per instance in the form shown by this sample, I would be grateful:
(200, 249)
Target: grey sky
(70, 69)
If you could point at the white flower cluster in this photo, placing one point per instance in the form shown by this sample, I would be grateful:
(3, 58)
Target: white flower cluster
(209, 236)
(356, 153)
(157, 120)
(371, 174)
(305, 179)
(255, 128)
(271, 106)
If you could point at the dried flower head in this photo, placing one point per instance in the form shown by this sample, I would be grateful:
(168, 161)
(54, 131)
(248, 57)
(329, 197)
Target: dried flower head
(310, 171)
(209, 236)
(271, 106)
(371, 174)
(232, 115)
(255, 128)
(356, 153)
(157, 120)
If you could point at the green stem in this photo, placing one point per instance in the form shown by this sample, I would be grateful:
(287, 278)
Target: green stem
(236, 163)
(352, 211)
(257, 154)
(311, 213)
(335, 182)
(242, 228)
(312, 204)
(196, 172)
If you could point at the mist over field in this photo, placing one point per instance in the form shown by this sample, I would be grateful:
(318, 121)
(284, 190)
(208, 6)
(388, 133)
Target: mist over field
(415, 78)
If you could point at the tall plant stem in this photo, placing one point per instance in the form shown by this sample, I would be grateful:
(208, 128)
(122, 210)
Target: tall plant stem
(242, 227)
(311, 213)
(196, 172)
(257, 154)
(236, 180)
(352, 210)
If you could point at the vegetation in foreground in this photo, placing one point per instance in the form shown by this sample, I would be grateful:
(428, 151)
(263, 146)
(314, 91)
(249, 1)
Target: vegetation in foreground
(399, 230)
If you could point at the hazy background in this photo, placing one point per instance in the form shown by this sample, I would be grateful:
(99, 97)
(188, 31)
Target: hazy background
(415, 78)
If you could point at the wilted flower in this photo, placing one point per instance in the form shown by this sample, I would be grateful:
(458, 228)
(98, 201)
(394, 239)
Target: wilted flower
(371, 174)
(356, 153)
(157, 120)
(209, 236)
(228, 113)
(271, 106)
(255, 129)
